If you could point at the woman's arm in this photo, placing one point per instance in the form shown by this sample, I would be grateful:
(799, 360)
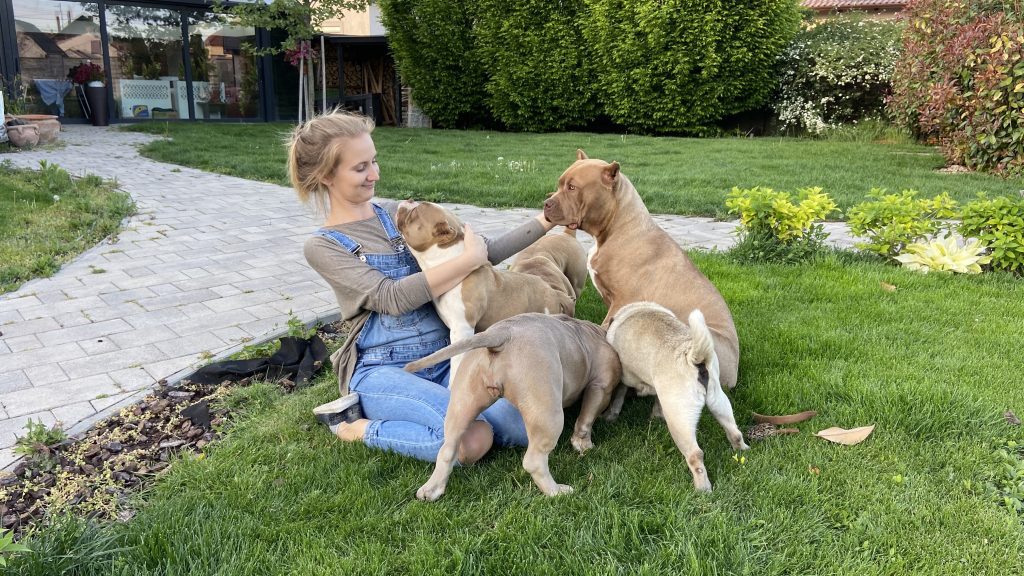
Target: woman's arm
(444, 277)
(510, 243)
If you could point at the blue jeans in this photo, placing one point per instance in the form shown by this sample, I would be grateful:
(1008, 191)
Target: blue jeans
(406, 411)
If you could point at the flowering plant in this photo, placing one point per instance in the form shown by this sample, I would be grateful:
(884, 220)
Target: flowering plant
(86, 72)
(945, 255)
(304, 50)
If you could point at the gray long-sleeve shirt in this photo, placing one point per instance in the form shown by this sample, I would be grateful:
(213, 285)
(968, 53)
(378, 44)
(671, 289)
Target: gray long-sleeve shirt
(361, 289)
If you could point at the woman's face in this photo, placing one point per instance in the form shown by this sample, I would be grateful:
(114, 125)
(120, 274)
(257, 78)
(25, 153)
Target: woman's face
(356, 174)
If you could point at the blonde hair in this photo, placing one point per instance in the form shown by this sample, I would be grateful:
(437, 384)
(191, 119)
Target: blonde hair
(314, 150)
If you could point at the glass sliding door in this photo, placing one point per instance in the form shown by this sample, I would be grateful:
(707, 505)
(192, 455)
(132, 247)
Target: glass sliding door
(146, 64)
(224, 80)
(52, 37)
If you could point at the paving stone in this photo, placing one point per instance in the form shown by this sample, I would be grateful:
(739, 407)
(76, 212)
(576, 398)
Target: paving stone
(43, 374)
(104, 402)
(71, 319)
(29, 327)
(191, 345)
(9, 316)
(133, 378)
(7, 457)
(72, 414)
(16, 425)
(209, 323)
(143, 336)
(98, 346)
(104, 363)
(4, 348)
(166, 368)
(19, 360)
(84, 332)
(14, 381)
(23, 343)
(55, 395)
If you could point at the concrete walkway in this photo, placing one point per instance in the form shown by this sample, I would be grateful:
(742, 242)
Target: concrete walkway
(209, 264)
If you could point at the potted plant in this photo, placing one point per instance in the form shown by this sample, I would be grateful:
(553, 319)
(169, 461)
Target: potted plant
(91, 76)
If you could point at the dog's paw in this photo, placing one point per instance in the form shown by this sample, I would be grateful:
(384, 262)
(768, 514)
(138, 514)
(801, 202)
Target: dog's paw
(428, 493)
(560, 489)
(610, 415)
(582, 443)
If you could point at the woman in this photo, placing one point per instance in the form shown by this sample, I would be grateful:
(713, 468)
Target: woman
(380, 289)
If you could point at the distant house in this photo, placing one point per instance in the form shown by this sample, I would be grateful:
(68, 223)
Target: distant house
(878, 8)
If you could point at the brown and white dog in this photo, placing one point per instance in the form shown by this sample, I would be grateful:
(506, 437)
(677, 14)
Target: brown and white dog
(558, 258)
(633, 259)
(661, 355)
(539, 363)
(487, 295)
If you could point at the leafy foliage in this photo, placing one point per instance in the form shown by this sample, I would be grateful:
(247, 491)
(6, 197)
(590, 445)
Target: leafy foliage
(893, 221)
(960, 81)
(541, 78)
(678, 67)
(8, 546)
(299, 19)
(999, 224)
(837, 71)
(436, 53)
(945, 255)
(774, 228)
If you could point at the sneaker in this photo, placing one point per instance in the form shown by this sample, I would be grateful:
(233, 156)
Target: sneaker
(344, 409)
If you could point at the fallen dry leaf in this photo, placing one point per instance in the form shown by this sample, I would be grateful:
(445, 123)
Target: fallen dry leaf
(1011, 418)
(846, 437)
(814, 470)
(888, 287)
(787, 419)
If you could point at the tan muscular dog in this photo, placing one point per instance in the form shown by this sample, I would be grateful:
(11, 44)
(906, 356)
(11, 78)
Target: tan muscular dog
(539, 363)
(487, 295)
(635, 260)
(661, 355)
(558, 258)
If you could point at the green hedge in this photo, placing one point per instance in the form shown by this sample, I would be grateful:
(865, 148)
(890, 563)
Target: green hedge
(541, 77)
(680, 66)
(432, 42)
(671, 66)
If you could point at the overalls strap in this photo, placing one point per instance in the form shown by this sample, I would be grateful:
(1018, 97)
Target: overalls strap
(394, 236)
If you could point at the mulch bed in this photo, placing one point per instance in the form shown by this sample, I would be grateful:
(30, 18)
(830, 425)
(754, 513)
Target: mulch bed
(93, 476)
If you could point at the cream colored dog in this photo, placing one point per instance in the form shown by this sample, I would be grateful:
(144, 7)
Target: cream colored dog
(487, 295)
(558, 258)
(661, 355)
(633, 259)
(541, 364)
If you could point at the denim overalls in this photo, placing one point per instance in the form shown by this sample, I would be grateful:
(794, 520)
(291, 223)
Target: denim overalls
(407, 410)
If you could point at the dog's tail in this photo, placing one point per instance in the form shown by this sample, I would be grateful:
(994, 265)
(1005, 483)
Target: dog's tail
(570, 231)
(493, 338)
(702, 344)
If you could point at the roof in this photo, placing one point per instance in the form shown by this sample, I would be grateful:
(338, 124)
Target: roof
(824, 5)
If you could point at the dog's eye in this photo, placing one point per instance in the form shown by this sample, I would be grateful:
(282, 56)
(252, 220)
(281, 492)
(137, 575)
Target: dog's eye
(572, 188)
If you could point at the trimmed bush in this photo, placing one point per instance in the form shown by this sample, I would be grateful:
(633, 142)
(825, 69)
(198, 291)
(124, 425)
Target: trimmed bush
(541, 78)
(775, 229)
(999, 224)
(960, 81)
(837, 71)
(434, 49)
(671, 66)
(891, 222)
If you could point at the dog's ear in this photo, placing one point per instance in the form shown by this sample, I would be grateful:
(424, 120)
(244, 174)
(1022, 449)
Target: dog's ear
(581, 155)
(610, 173)
(444, 231)
(400, 217)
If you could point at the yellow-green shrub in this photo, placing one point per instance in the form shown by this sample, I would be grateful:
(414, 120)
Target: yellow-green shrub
(893, 221)
(999, 224)
(775, 228)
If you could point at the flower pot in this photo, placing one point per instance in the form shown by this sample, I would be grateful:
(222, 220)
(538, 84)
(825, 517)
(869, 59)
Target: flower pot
(24, 135)
(49, 126)
(96, 96)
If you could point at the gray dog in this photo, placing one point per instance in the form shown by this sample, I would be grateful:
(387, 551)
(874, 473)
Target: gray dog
(541, 364)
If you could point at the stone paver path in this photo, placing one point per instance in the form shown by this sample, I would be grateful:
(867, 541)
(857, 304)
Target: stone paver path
(207, 265)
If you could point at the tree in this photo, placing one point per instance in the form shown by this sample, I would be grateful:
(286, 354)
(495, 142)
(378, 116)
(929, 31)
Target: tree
(301, 21)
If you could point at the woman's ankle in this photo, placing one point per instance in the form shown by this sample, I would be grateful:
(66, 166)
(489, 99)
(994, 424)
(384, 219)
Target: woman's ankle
(352, 431)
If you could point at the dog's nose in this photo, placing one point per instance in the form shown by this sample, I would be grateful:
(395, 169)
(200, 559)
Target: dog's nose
(549, 203)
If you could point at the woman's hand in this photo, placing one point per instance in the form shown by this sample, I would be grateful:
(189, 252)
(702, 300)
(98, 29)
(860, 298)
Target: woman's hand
(474, 249)
(444, 277)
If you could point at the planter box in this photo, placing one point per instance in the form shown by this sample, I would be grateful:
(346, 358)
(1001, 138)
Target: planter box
(49, 126)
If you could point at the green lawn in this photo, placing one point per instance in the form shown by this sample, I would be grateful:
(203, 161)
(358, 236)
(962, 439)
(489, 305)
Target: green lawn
(933, 365)
(47, 218)
(674, 175)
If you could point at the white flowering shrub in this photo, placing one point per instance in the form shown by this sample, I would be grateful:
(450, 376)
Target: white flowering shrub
(837, 71)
